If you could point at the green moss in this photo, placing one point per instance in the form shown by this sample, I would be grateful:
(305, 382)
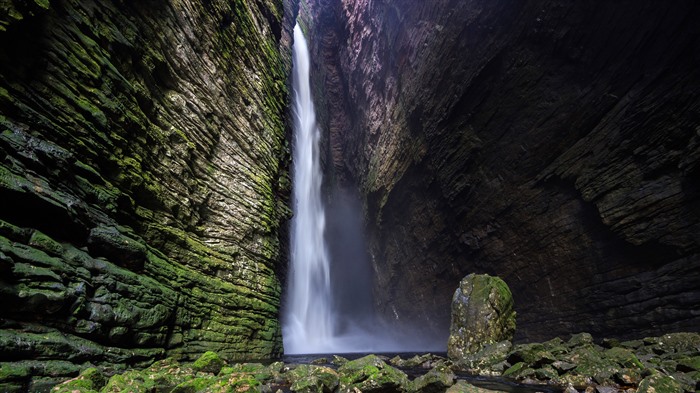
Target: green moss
(370, 373)
(13, 232)
(14, 371)
(130, 381)
(46, 244)
(515, 369)
(209, 362)
(45, 4)
(90, 380)
(624, 357)
(313, 379)
(103, 99)
(436, 380)
(659, 383)
(194, 385)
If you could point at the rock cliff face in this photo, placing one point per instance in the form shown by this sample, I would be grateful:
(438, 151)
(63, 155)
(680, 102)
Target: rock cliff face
(143, 182)
(552, 143)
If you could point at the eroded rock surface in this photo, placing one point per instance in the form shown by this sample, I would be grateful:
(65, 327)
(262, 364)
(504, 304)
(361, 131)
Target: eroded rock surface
(482, 315)
(143, 182)
(552, 143)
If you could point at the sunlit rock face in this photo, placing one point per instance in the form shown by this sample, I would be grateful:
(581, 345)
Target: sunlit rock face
(552, 143)
(143, 181)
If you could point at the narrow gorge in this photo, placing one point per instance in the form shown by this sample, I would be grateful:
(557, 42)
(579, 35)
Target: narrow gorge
(146, 195)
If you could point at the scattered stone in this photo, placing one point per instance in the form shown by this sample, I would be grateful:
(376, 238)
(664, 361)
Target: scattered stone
(534, 354)
(570, 389)
(586, 366)
(338, 360)
(482, 314)
(688, 364)
(313, 379)
(659, 383)
(415, 361)
(546, 373)
(605, 389)
(371, 374)
(90, 380)
(209, 362)
(434, 381)
(610, 343)
(562, 366)
(465, 387)
(580, 339)
(320, 361)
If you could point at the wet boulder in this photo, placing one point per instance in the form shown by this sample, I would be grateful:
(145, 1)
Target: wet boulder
(371, 374)
(659, 383)
(482, 314)
(209, 362)
(313, 379)
(437, 380)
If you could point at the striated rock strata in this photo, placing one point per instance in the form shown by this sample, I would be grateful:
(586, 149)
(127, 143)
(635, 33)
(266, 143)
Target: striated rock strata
(552, 143)
(143, 182)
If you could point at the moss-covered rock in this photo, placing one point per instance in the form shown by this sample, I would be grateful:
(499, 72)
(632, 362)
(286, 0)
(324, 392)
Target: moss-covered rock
(436, 380)
(489, 360)
(313, 379)
(89, 381)
(371, 374)
(465, 387)
(534, 354)
(209, 362)
(659, 383)
(482, 314)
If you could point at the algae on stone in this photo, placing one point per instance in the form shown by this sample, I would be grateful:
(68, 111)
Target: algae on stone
(482, 314)
(142, 180)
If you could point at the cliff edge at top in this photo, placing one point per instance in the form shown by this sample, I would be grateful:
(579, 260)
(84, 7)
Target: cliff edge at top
(143, 182)
(552, 143)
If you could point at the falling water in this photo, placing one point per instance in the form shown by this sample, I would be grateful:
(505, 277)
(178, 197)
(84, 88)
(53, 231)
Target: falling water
(329, 307)
(309, 323)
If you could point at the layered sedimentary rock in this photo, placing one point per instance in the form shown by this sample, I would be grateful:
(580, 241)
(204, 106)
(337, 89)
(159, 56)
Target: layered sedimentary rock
(552, 143)
(143, 182)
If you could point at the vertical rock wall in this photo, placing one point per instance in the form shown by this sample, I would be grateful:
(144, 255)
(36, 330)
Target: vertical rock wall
(552, 143)
(143, 182)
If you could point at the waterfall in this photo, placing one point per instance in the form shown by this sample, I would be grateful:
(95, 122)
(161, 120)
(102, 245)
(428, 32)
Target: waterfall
(308, 326)
(329, 309)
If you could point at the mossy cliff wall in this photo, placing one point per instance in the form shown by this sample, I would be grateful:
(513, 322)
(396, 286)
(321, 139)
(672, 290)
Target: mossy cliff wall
(143, 181)
(555, 144)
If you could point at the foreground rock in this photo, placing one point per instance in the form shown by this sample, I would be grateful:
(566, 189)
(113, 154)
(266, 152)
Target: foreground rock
(483, 320)
(367, 374)
(670, 363)
(667, 364)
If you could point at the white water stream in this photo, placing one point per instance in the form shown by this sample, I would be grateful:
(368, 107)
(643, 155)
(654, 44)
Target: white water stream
(308, 326)
(328, 309)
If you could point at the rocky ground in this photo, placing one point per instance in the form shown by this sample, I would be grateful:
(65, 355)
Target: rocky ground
(670, 363)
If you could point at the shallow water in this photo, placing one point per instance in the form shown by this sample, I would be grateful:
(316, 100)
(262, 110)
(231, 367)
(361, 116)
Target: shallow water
(492, 383)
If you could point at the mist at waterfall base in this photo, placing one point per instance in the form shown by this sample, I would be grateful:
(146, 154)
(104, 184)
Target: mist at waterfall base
(329, 306)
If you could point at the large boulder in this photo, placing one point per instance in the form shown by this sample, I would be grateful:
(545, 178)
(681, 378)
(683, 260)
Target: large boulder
(482, 314)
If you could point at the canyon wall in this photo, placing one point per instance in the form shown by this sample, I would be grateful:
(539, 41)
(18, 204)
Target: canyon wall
(552, 143)
(143, 182)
